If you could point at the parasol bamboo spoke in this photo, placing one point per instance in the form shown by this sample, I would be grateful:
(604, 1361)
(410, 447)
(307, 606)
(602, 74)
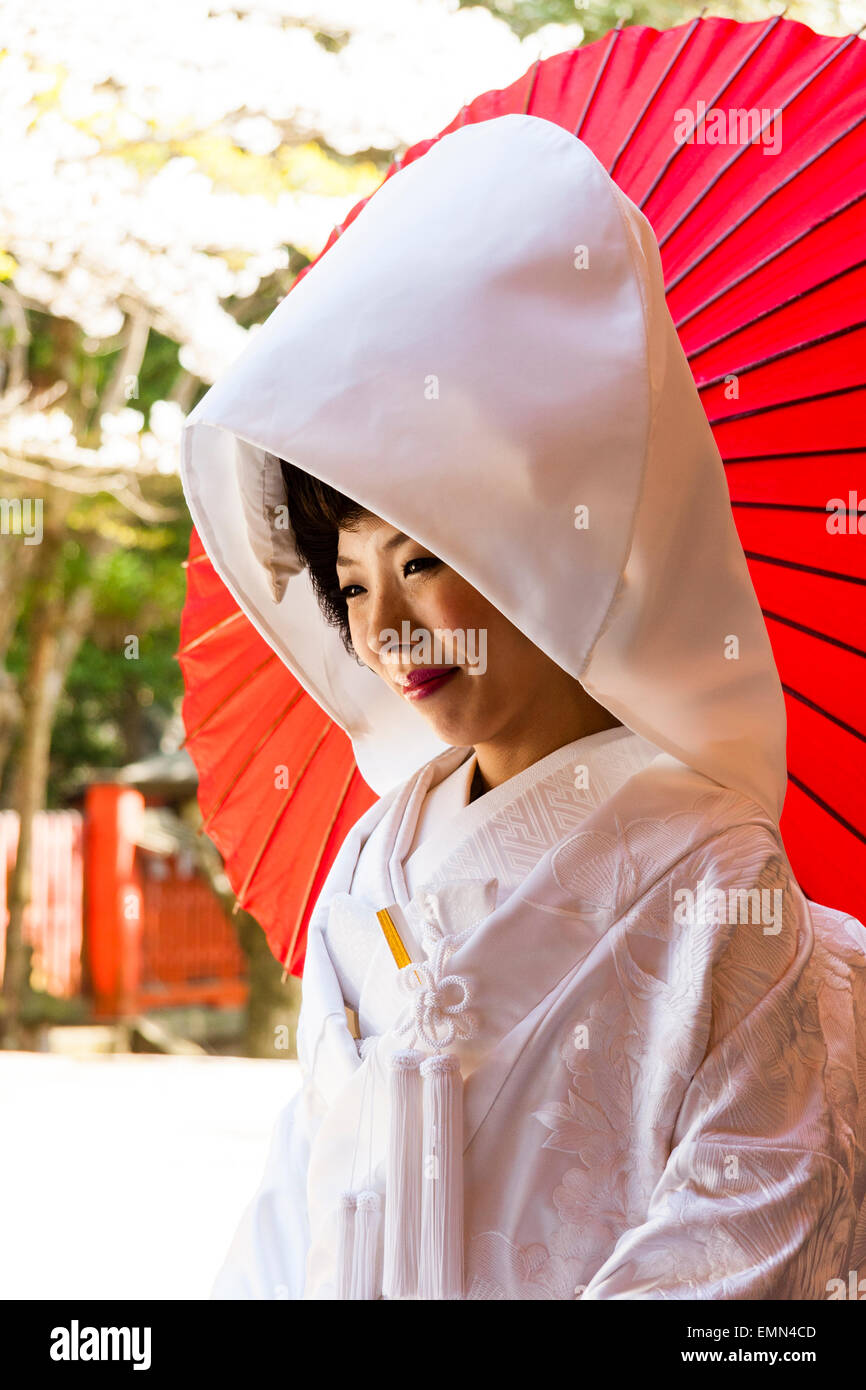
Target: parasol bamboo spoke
(210, 631)
(612, 42)
(819, 709)
(762, 264)
(825, 806)
(785, 405)
(814, 632)
(203, 723)
(531, 92)
(638, 121)
(762, 202)
(780, 356)
(253, 753)
(781, 506)
(296, 930)
(796, 454)
(720, 173)
(269, 835)
(776, 309)
(746, 58)
(804, 568)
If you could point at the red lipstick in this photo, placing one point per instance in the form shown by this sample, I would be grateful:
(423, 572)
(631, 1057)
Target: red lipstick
(424, 680)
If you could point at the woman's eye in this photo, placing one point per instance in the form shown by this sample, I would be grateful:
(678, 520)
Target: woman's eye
(421, 562)
(425, 561)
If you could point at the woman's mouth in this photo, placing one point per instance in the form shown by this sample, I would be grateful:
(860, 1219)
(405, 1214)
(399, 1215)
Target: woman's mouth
(425, 680)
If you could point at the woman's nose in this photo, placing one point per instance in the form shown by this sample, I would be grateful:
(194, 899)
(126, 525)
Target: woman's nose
(386, 612)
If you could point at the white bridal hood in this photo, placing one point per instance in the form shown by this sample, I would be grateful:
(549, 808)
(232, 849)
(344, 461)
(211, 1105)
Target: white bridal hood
(485, 351)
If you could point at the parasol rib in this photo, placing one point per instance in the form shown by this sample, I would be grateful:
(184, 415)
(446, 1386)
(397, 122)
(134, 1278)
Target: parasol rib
(806, 569)
(762, 37)
(720, 173)
(825, 713)
(253, 753)
(269, 835)
(782, 506)
(764, 262)
(825, 806)
(776, 308)
(796, 454)
(203, 723)
(531, 92)
(209, 632)
(813, 632)
(783, 405)
(782, 354)
(777, 188)
(598, 76)
(314, 871)
(655, 91)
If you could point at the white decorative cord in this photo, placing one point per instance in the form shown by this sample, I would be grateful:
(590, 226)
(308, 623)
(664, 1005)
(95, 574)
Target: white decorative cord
(429, 1017)
(351, 1187)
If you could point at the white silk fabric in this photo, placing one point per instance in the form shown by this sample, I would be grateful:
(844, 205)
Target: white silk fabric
(653, 1108)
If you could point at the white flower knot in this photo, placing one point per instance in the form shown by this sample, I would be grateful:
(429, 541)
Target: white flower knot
(439, 1008)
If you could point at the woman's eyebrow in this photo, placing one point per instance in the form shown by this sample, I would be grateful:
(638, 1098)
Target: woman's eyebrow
(396, 539)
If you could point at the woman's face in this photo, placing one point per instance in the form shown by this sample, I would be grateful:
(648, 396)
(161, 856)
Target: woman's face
(480, 685)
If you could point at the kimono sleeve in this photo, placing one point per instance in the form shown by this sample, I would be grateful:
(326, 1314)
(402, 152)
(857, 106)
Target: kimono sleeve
(782, 1231)
(267, 1256)
(759, 1195)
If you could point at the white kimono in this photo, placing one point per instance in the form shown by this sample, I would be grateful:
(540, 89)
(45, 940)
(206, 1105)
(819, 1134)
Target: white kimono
(653, 1108)
(665, 1085)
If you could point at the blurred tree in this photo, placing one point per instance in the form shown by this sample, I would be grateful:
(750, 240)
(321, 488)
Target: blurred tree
(176, 236)
(60, 481)
(598, 17)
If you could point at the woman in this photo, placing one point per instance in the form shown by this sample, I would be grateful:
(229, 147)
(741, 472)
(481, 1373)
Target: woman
(462, 482)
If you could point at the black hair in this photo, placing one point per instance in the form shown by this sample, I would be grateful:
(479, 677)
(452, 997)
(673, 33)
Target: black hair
(316, 513)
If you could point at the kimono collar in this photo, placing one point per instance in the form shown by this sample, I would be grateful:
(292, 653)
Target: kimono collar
(524, 948)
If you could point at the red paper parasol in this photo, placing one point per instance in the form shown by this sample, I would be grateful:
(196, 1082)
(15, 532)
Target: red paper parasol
(278, 787)
(745, 147)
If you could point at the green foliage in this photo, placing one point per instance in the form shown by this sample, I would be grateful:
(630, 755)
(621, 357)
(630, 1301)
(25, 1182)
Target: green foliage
(41, 348)
(157, 375)
(597, 19)
(116, 705)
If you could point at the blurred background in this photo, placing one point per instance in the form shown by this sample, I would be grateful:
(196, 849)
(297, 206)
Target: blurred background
(166, 171)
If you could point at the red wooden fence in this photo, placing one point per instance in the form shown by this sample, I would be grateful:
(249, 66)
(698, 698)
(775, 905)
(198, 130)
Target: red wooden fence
(190, 953)
(148, 924)
(53, 921)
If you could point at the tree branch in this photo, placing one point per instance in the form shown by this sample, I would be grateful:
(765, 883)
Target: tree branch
(14, 306)
(128, 364)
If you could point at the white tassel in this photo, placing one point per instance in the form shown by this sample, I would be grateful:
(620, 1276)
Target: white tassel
(366, 1262)
(403, 1188)
(440, 1273)
(345, 1244)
